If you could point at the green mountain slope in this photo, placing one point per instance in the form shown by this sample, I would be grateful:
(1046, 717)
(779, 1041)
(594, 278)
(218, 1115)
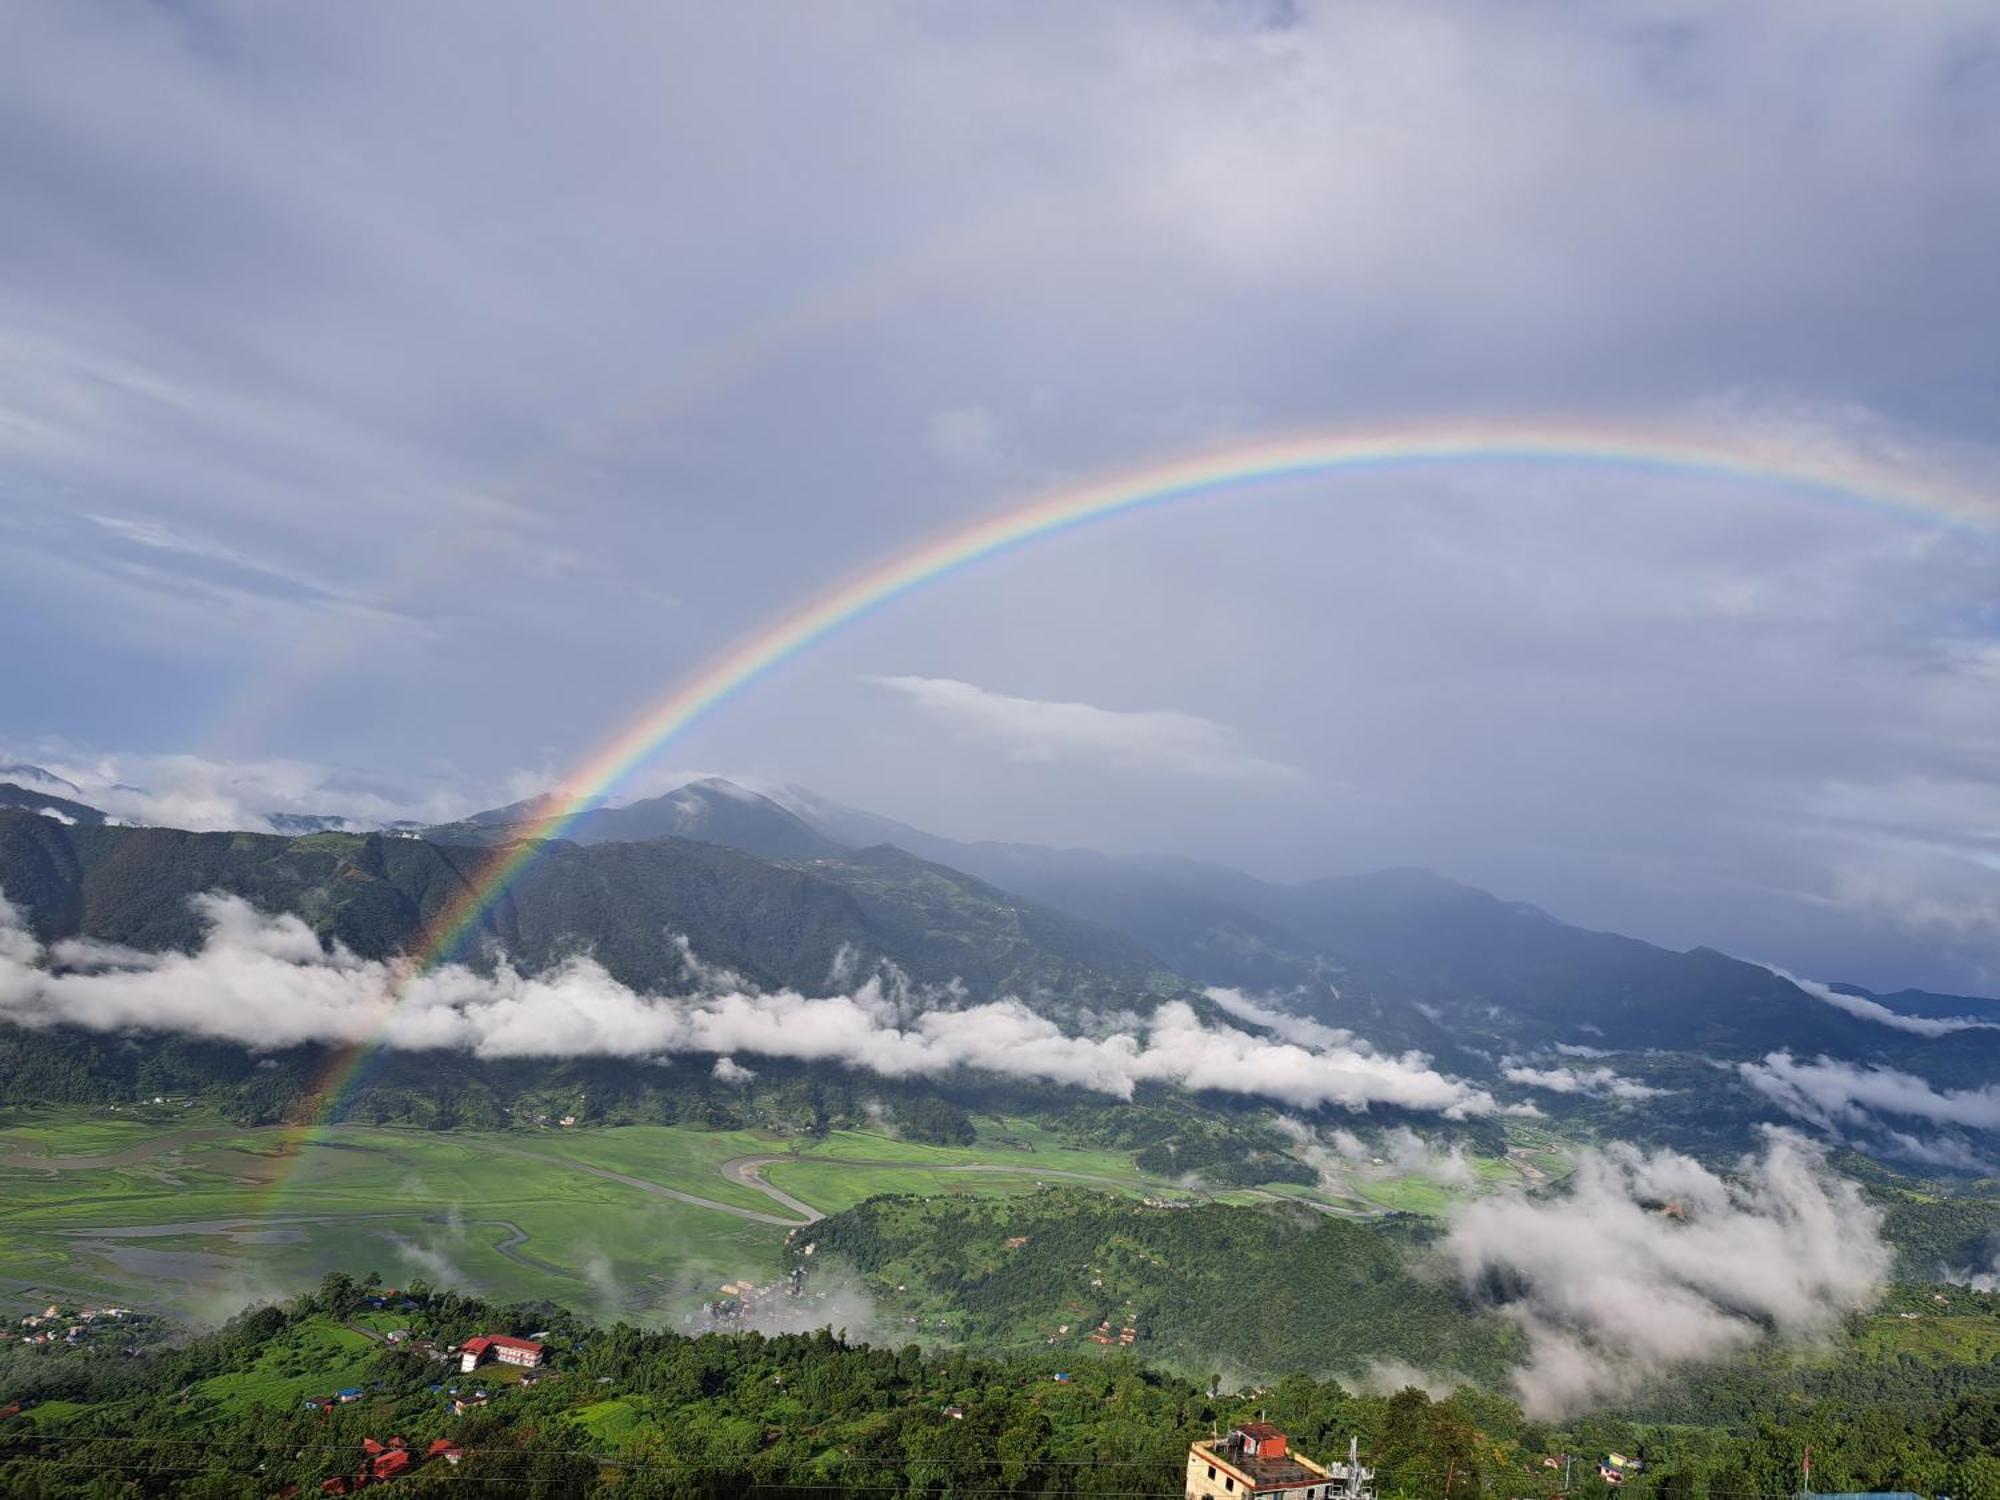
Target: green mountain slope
(1205, 1289)
(779, 924)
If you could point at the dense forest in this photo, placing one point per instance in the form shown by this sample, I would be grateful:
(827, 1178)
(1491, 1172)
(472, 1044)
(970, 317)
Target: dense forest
(652, 1414)
(1204, 1289)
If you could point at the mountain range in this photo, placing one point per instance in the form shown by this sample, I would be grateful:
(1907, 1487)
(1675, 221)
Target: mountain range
(1406, 957)
(791, 889)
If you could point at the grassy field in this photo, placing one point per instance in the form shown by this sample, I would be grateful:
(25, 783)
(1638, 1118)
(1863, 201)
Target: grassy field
(208, 1222)
(1939, 1339)
(831, 1187)
(316, 1361)
(186, 1215)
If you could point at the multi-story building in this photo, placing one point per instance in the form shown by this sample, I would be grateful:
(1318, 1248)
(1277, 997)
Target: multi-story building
(510, 1351)
(1256, 1463)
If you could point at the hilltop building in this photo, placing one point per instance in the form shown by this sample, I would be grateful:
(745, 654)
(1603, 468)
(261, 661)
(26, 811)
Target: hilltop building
(1255, 1461)
(509, 1351)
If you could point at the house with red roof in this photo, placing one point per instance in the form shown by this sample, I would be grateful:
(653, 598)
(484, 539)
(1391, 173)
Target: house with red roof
(390, 1464)
(508, 1350)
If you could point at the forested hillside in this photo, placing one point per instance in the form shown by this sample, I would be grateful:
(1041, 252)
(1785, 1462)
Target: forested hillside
(1205, 1289)
(777, 923)
(661, 1415)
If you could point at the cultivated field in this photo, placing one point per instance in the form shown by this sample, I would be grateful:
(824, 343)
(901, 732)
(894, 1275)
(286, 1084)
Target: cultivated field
(170, 1210)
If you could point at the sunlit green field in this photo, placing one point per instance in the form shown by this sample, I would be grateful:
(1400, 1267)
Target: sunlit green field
(316, 1361)
(178, 1212)
(1936, 1338)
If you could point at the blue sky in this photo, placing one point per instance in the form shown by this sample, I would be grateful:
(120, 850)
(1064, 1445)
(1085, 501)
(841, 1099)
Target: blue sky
(394, 399)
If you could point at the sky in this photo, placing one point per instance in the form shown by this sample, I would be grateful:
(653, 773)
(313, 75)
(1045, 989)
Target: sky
(395, 400)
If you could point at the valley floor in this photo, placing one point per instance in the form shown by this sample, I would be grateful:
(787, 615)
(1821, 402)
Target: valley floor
(183, 1214)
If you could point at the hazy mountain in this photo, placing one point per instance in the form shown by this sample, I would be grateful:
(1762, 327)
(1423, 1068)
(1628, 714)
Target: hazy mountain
(1925, 1003)
(62, 809)
(297, 824)
(623, 902)
(36, 778)
(711, 811)
(1411, 958)
(1199, 933)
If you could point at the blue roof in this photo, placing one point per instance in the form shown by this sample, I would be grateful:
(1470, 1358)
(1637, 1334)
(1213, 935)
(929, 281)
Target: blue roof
(352, 1390)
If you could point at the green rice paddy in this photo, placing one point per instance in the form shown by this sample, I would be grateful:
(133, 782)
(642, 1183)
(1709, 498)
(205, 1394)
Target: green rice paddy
(173, 1211)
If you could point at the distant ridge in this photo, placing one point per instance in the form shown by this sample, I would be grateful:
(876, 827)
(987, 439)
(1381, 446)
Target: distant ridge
(62, 809)
(710, 811)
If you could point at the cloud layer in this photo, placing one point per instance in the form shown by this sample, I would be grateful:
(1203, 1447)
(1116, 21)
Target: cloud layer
(1831, 1093)
(1882, 1015)
(1652, 1260)
(1603, 1083)
(206, 794)
(1162, 741)
(267, 982)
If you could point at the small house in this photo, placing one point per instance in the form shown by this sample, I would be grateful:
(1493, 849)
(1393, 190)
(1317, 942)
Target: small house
(390, 1464)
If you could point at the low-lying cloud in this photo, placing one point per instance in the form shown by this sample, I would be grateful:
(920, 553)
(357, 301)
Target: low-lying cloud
(1874, 1010)
(1651, 1260)
(1976, 1280)
(1601, 1083)
(1300, 1029)
(1339, 1155)
(1831, 1094)
(267, 981)
(195, 792)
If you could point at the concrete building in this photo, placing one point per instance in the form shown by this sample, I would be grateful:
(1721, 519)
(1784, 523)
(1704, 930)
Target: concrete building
(1256, 1462)
(509, 1351)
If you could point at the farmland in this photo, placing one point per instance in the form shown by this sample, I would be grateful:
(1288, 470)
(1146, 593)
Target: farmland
(181, 1212)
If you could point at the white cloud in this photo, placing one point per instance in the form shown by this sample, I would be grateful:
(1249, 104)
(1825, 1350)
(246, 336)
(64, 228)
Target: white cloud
(208, 795)
(729, 1070)
(1876, 1011)
(1980, 1281)
(1409, 1152)
(267, 982)
(1160, 740)
(1603, 1083)
(1652, 1260)
(1339, 1155)
(1831, 1094)
(1301, 1029)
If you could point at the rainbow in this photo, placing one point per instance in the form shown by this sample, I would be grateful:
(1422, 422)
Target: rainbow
(1229, 470)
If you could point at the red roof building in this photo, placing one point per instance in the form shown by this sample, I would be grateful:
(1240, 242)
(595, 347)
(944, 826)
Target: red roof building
(508, 1350)
(395, 1461)
(1263, 1440)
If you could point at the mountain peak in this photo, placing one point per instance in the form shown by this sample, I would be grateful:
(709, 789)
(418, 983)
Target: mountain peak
(712, 810)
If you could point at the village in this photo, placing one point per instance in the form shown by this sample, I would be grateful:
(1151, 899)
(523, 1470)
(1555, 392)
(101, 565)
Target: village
(120, 1330)
(508, 1360)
